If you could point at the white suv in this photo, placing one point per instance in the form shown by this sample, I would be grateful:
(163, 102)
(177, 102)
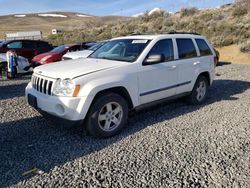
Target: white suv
(124, 74)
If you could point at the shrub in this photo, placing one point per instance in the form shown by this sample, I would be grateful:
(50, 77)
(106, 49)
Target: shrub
(188, 11)
(239, 11)
(245, 47)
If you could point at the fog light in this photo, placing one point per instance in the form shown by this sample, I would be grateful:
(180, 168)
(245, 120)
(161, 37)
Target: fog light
(60, 109)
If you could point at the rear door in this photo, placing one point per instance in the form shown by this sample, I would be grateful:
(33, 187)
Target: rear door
(187, 62)
(158, 81)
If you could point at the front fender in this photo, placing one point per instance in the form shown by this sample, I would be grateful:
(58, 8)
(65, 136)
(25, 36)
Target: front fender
(93, 87)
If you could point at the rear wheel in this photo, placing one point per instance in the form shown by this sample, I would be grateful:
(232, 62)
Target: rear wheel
(107, 116)
(199, 91)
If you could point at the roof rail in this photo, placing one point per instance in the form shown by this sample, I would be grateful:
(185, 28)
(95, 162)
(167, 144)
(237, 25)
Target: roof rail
(139, 33)
(181, 32)
(171, 32)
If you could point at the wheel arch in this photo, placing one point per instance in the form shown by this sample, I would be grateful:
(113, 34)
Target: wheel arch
(120, 90)
(207, 76)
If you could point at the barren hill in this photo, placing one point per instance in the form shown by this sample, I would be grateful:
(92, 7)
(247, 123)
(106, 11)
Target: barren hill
(45, 22)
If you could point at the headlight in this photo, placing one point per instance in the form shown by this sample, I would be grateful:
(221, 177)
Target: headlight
(45, 58)
(65, 87)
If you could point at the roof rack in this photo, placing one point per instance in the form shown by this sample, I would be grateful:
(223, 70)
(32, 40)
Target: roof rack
(171, 32)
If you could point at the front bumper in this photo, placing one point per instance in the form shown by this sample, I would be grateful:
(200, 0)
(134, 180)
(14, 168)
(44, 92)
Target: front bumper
(69, 108)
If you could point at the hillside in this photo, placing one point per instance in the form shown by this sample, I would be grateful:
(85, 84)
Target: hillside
(45, 22)
(223, 26)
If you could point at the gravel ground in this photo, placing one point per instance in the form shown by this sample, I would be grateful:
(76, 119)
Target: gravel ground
(173, 145)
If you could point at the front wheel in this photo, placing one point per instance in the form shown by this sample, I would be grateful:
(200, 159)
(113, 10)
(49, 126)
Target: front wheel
(199, 91)
(107, 115)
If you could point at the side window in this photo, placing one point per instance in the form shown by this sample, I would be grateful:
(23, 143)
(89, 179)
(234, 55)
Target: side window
(203, 47)
(75, 48)
(186, 48)
(15, 45)
(42, 44)
(164, 47)
(29, 44)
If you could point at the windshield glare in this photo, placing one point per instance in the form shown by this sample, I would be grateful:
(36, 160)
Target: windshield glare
(59, 49)
(96, 46)
(121, 50)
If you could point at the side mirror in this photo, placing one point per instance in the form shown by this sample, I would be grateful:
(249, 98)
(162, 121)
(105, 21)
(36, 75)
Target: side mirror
(153, 59)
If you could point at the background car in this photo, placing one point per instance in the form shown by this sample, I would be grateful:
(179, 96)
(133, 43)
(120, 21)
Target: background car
(26, 48)
(83, 53)
(22, 64)
(55, 54)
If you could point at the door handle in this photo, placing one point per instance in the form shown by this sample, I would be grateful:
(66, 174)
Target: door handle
(196, 63)
(172, 67)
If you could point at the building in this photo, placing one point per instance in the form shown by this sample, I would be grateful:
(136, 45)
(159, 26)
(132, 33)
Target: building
(56, 31)
(34, 35)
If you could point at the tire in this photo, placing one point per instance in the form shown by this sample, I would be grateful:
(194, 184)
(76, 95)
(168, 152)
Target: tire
(199, 92)
(107, 115)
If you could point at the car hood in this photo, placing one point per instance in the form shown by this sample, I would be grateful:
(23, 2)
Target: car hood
(76, 68)
(40, 56)
(78, 54)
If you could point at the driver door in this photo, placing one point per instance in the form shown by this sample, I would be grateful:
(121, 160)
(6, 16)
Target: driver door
(159, 81)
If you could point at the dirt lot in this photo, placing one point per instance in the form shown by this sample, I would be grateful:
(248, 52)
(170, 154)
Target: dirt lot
(233, 54)
(175, 145)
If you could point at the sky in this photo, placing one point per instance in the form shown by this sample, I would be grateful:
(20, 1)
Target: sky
(102, 7)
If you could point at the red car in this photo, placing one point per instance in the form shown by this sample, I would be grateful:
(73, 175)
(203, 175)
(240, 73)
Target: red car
(25, 48)
(54, 55)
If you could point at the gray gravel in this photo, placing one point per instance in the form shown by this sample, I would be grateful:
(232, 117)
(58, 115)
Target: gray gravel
(173, 145)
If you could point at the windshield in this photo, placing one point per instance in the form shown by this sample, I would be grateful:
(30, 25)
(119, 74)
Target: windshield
(59, 49)
(96, 46)
(121, 50)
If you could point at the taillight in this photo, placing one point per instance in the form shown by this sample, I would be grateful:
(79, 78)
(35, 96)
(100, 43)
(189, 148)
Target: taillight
(215, 61)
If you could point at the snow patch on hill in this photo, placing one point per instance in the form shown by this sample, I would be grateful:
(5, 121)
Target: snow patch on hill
(53, 15)
(138, 15)
(20, 15)
(83, 15)
(154, 10)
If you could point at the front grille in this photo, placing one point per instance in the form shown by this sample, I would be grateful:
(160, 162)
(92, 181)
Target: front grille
(42, 85)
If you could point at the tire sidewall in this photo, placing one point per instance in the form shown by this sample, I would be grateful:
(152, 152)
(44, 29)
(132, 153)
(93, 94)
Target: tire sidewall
(92, 117)
(193, 96)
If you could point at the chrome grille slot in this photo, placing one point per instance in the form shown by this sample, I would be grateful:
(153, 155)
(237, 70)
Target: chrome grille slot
(45, 86)
(50, 88)
(42, 85)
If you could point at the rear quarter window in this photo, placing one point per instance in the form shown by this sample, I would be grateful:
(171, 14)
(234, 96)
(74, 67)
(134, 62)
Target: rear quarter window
(203, 47)
(186, 48)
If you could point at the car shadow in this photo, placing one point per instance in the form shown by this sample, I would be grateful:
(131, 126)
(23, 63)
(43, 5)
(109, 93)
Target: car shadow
(222, 63)
(11, 91)
(34, 142)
